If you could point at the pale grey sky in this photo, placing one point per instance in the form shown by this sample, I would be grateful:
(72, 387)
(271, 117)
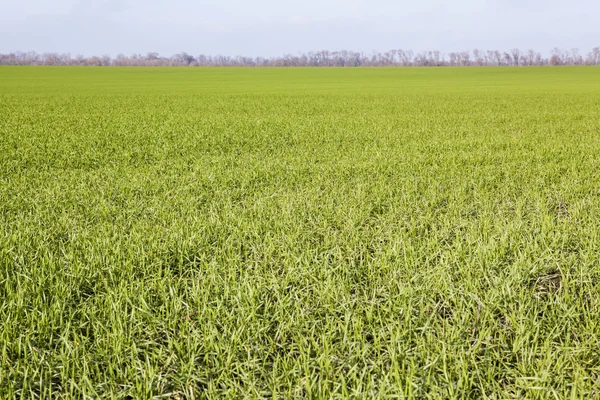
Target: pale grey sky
(276, 27)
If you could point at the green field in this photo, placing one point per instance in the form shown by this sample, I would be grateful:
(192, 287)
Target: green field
(299, 233)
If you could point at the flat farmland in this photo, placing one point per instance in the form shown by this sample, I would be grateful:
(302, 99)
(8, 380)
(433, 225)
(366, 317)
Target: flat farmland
(299, 233)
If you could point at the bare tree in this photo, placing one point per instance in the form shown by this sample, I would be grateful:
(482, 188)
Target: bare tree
(577, 59)
(593, 57)
(529, 57)
(556, 58)
(479, 55)
(516, 55)
(454, 58)
(323, 58)
(465, 58)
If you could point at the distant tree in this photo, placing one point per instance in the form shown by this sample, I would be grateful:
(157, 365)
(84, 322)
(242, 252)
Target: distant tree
(465, 58)
(594, 56)
(323, 58)
(79, 60)
(530, 57)
(420, 59)
(577, 59)
(479, 57)
(94, 61)
(516, 56)
(406, 56)
(183, 59)
(498, 57)
(556, 58)
(454, 58)
(152, 55)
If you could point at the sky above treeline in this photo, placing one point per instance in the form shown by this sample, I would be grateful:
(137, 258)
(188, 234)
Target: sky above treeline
(270, 28)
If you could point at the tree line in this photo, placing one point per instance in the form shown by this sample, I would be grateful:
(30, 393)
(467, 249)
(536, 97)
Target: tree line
(323, 58)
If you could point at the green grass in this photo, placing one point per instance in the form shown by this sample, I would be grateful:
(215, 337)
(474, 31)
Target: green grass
(309, 233)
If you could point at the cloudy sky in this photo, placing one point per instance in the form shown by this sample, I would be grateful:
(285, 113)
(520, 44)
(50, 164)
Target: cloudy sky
(276, 27)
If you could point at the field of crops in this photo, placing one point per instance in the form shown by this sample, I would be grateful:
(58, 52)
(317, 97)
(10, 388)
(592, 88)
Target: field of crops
(309, 233)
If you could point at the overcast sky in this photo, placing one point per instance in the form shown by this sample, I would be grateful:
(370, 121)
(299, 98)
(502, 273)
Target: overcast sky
(276, 27)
